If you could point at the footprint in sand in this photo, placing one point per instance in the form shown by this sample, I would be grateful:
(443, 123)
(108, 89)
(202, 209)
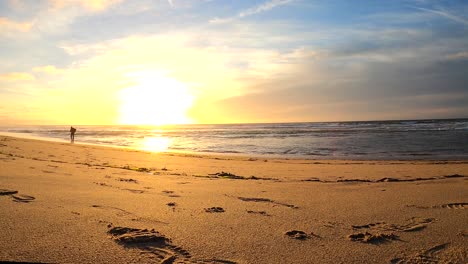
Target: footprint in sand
(172, 205)
(134, 190)
(297, 234)
(372, 238)
(258, 212)
(411, 225)
(443, 253)
(127, 180)
(214, 210)
(150, 241)
(170, 194)
(454, 206)
(266, 200)
(102, 184)
(443, 206)
(153, 242)
(22, 198)
(7, 192)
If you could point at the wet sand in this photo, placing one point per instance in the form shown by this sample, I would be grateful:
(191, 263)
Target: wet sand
(72, 203)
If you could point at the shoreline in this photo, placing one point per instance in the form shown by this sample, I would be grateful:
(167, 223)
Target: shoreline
(76, 203)
(230, 155)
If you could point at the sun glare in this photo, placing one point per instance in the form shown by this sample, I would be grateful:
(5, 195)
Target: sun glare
(155, 99)
(156, 144)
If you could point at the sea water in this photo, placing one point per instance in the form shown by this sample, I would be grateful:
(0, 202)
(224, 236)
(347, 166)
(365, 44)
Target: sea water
(374, 140)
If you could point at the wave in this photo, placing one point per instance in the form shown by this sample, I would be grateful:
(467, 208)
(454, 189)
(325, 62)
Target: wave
(336, 140)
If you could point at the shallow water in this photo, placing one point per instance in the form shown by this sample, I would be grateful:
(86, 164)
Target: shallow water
(418, 139)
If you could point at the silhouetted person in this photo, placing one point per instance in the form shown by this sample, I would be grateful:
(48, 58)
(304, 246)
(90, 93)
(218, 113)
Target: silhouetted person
(72, 134)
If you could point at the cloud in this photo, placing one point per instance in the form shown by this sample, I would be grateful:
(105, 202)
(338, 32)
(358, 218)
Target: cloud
(49, 69)
(7, 25)
(309, 95)
(52, 16)
(251, 70)
(58, 15)
(263, 7)
(445, 14)
(92, 5)
(356, 73)
(266, 6)
(98, 5)
(458, 56)
(211, 73)
(16, 76)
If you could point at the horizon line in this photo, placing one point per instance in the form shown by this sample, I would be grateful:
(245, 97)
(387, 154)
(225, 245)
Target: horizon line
(252, 123)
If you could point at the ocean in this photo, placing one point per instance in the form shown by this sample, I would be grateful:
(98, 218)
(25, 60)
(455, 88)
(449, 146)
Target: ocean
(370, 140)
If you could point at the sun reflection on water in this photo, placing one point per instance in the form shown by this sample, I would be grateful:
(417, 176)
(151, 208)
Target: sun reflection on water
(156, 144)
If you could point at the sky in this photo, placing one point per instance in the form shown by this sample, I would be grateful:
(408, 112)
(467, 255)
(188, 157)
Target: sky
(102, 62)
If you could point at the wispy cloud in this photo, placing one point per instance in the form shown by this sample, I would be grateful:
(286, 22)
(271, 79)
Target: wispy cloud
(266, 6)
(16, 76)
(445, 14)
(263, 7)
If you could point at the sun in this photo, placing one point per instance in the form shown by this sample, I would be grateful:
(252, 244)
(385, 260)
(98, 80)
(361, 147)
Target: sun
(154, 99)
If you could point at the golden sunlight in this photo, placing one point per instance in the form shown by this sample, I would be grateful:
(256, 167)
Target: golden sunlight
(155, 99)
(156, 144)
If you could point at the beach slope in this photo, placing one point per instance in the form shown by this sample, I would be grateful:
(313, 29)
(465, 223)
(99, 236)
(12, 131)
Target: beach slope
(73, 203)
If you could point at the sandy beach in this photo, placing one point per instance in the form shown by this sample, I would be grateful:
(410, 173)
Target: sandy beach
(73, 203)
